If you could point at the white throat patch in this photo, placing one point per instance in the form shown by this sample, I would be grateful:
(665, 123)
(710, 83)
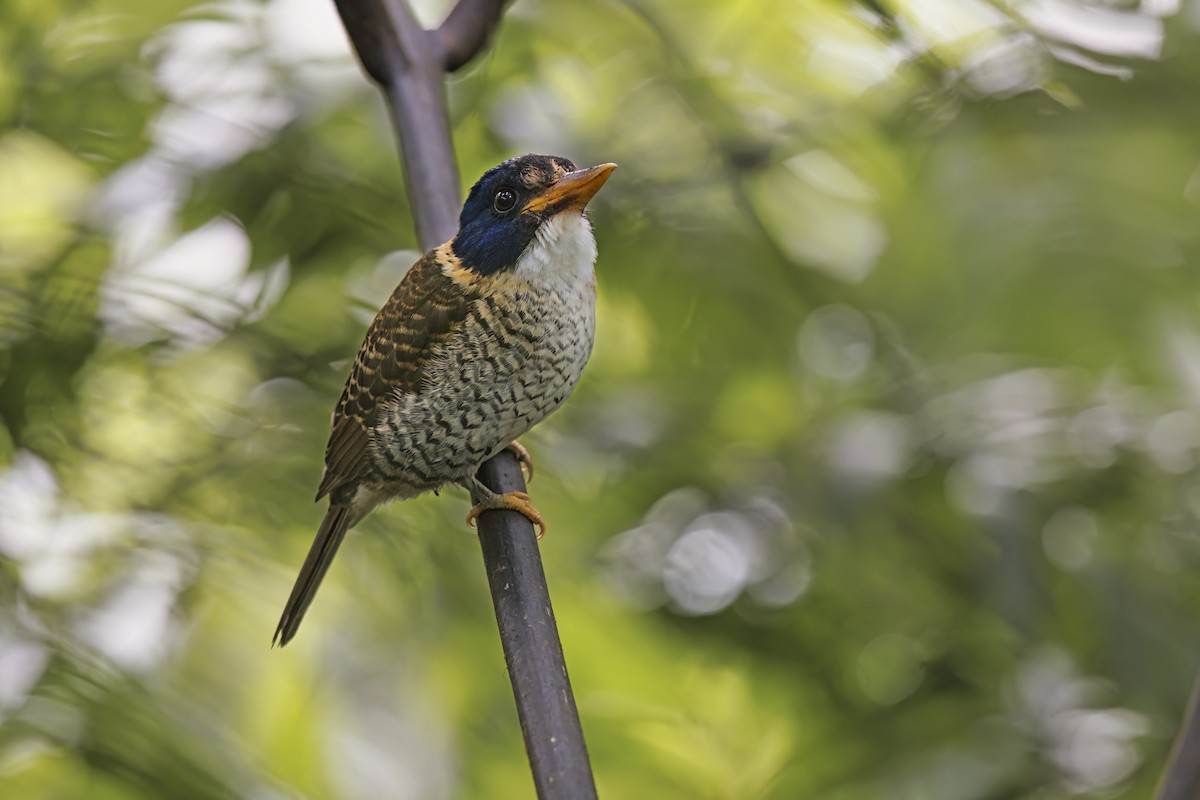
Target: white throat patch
(563, 249)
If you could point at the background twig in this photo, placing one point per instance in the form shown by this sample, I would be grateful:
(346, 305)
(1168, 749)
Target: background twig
(1181, 778)
(409, 64)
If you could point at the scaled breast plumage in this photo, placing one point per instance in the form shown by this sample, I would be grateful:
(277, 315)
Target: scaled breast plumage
(457, 365)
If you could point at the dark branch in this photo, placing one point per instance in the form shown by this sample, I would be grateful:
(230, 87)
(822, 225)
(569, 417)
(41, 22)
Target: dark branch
(408, 62)
(372, 37)
(1181, 779)
(545, 704)
(402, 58)
(466, 30)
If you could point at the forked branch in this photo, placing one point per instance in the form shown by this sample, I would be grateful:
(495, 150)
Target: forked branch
(409, 63)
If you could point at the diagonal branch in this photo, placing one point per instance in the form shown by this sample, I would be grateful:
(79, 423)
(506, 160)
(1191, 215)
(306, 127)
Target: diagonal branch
(466, 30)
(409, 63)
(373, 39)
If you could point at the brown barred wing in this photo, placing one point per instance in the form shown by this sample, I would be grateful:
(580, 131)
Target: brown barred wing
(421, 314)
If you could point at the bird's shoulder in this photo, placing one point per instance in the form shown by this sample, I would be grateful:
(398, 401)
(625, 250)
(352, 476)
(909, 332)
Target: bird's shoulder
(430, 303)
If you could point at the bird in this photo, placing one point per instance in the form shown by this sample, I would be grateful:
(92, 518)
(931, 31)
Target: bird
(484, 337)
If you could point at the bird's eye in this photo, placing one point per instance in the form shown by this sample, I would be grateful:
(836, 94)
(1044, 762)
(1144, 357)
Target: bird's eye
(505, 200)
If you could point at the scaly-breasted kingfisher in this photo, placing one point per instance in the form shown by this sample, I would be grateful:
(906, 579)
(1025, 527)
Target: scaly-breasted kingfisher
(485, 336)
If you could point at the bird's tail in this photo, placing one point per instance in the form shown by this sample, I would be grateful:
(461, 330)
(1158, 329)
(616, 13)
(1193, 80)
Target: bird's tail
(324, 548)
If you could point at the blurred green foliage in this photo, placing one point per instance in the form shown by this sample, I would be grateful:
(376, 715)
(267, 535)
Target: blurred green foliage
(883, 481)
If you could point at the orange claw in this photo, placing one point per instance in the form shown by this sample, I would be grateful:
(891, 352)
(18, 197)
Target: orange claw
(518, 450)
(514, 501)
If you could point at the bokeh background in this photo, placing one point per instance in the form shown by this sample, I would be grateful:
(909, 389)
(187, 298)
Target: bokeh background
(883, 481)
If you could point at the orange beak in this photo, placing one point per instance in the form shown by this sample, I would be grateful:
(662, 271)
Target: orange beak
(571, 191)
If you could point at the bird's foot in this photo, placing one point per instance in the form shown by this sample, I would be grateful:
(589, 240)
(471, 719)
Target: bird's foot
(514, 501)
(518, 450)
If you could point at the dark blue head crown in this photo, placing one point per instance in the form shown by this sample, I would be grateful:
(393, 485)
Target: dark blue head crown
(493, 231)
